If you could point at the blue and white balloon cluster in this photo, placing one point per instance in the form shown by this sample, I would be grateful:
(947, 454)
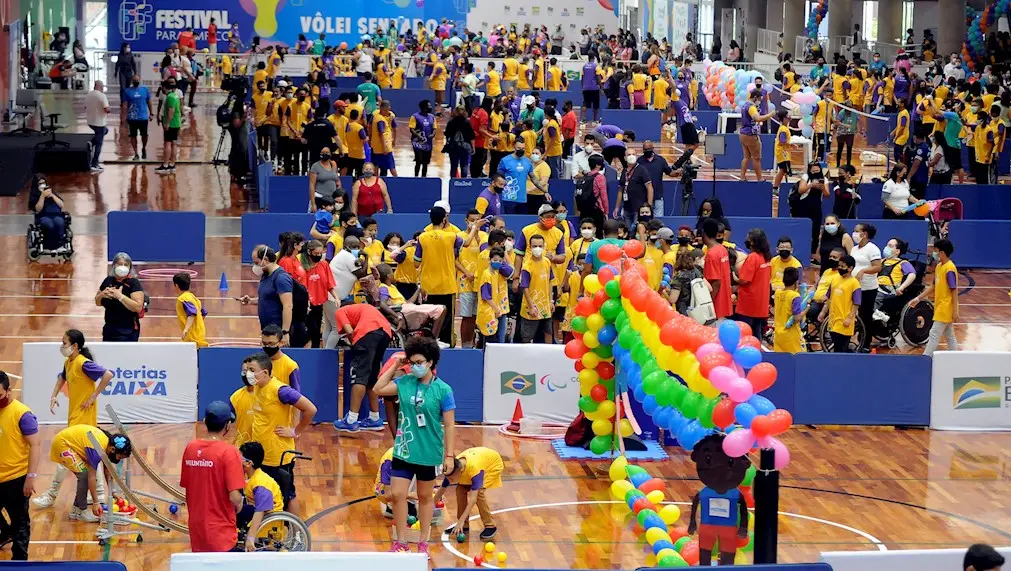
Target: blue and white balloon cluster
(814, 18)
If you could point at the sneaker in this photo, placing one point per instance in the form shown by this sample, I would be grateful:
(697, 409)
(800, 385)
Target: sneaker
(423, 548)
(488, 533)
(171, 168)
(46, 500)
(369, 424)
(343, 425)
(97, 169)
(143, 154)
(399, 547)
(164, 169)
(136, 157)
(83, 516)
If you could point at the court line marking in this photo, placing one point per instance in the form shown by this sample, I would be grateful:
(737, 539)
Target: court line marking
(452, 549)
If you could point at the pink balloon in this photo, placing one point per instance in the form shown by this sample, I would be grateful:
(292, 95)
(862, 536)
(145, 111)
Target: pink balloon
(739, 390)
(751, 87)
(765, 442)
(782, 452)
(738, 370)
(721, 377)
(738, 442)
(707, 349)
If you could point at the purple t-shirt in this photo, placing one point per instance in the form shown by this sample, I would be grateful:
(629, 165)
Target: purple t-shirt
(747, 123)
(494, 202)
(263, 500)
(590, 82)
(609, 131)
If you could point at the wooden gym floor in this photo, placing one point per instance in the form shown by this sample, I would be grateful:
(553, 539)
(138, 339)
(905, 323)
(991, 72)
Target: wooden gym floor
(846, 489)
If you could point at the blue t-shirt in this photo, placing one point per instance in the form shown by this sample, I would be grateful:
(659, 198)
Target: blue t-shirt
(324, 220)
(717, 508)
(269, 291)
(136, 103)
(922, 152)
(516, 170)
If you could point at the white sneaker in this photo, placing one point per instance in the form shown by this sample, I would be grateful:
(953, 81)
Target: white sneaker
(46, 500)
(83, 516)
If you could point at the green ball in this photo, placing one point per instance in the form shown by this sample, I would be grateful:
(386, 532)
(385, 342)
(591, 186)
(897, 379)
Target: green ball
(749, 476)
(622, 320)
(579, 324)
(610, 310)
(649, 368)
(627, 338)
(587, 404)
(643, 514)
(411, 520)
(600, 444)
(665, 396)
(604, 351)
(613, 288)
(461, 537)
(669, 561)
(691, 405)
(679, 392)
(640, 354)
(633, 470)
(681, 543)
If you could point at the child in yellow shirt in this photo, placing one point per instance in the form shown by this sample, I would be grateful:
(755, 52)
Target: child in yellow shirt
(787, 303)
(493, 298)
(189, 310)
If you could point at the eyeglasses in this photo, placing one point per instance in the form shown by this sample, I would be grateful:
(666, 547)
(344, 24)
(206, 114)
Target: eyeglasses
(422, 362)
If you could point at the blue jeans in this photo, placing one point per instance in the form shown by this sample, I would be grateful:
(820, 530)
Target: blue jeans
(556, 166)
(459, 163)
(96, 143)
(500, 335)
(630, 217)
(53, 229)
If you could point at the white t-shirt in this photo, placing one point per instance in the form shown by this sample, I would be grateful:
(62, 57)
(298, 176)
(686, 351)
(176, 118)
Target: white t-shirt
(895, 194)
(95, 105)
(343, 266)
(942, 165)
(864, 257)
(365, 62)
(468, 84)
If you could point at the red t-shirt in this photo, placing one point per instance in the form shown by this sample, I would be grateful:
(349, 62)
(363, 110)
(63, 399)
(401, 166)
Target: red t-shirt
(187, 40)
(363, 318)
(294, 269)
(753, 297)
(570, 122)
(211, 469)
(320, 282)
(479, 121)
(718, 268)
(212, 34)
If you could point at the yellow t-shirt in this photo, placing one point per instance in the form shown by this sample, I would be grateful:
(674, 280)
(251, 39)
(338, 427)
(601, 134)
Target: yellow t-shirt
(888, 91)
(299, 116)
(529, 137)
(269, 413)
(438, 251)
(383, 76)
(375, 250)
(555, 75)
(902, 128)
(552, 145)
(497, 287)
(340, 125)
(493, 84)
(353, 140)
(406, 272)
(281, 107)
(439, 75)
(383, 475)
(397, 79)
(484, 468)
(552, 238)
(539, 275)
(821, 291)
(541, 172)
(198, 333)
(79, 387)
(226, 65)
(778, 265)
(504, 142)
(840, 303)
(468, 259)
(242, 401)
(395, 297)
(70, 446)
(260, 103)
(653, 260)
(259, 479)
(510, 69)
(14, 448)
(944, 295)
(782, 148)
(523, 81)
(660, 97)
(786, 339)
(382, 143)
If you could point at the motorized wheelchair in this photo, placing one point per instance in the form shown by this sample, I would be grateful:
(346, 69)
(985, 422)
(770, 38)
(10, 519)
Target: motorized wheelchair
(36, 240)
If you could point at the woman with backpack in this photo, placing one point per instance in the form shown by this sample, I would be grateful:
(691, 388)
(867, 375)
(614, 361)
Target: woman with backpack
(459, 142)
(684, 272)
(591, 194)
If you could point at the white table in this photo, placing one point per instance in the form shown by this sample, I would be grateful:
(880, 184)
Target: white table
(723, 116)
(807, 148)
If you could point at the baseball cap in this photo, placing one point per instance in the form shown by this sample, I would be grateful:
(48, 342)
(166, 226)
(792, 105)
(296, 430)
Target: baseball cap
(219, 413)
(665, 234)
(443, 204)
(528, 100)
(545, 209)
(340, 103)
(282, 83)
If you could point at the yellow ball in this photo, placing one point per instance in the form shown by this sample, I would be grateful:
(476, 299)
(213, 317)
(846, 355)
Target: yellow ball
(670, 514)
(602, 427)
(625, 428)
(741, 558)
(590, 339)
(115, 509)
(205, 50)
(655, 534)
(617, 470)
(605, 409)
(591, 284)
(751, 520)
(590, 360)
(501, 557)
(619, 488)
(595, 322)
(416, 525)
(588, 376)
(666, 552)
(655, 497)
(489, 547)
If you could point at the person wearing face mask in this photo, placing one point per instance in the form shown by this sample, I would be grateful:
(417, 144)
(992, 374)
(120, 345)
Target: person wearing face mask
(896, 273)
(137, 100)
(438, 252)
(535, 286)
(552, 237)
(833, 235)
(212, 473)
(636, 190)
(945, 290)
(806, 197)
(867, 265)
(369, 193)
(489, 200)
(844, 299)
(72, 448)
(324, 180)
(84, 381)
(274, 292)
(122, 296)
(170, 116)
(19, 463)
(97, 112)
(422, 126)
(369, 333)
(48, 208)
(296, 116)
(751, 118)
(319, 134)
(321, 286)
(283, 367)
(656, 167)
(782, 261)
(517, 169)
(537, 182)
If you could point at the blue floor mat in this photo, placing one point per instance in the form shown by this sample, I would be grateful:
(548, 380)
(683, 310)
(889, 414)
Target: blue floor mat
(654, 452)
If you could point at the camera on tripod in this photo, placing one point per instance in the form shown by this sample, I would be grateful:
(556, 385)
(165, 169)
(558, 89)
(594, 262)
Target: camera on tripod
(689, 173)
(237, 88)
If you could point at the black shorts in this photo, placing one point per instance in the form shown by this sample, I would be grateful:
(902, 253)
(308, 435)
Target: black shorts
(785, 165)
(591, 98)
(353, 165)
(422, 156)
(953, 156)
(402, 469)
(284, 475)
(559, 314)
(137, 126)
(689, 134)
(366, 357)
(171, 135)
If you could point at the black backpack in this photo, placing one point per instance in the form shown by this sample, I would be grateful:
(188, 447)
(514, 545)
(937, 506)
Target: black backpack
(585, 198)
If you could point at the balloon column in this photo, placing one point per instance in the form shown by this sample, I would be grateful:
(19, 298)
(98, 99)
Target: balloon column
(807, 101)
(727, 87)
(814, 18)
(974, 48)
(630, 336)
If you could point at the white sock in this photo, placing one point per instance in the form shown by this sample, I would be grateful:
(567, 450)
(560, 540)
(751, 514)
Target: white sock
(352, 417)
(373, 416)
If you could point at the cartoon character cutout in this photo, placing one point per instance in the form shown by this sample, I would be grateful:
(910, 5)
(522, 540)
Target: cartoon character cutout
(723, 508)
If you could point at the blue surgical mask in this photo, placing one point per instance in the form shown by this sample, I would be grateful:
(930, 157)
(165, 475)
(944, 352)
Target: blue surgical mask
(831, 228)
(419, 369)
(658, 244)
(560, 216)
(888, 252)
(354, 252)
(497, 265)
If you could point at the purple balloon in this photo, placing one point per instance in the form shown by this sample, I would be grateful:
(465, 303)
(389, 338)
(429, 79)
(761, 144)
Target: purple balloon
(738, 442)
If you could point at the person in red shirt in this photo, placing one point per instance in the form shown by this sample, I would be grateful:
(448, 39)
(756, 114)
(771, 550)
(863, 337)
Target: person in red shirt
(322, 287)
(482, 137)
(213, 479)
(754, 283)
(291, 244)
(212, 37)
(187, 39)
(370, 335)
(717, 269)
(570, 124)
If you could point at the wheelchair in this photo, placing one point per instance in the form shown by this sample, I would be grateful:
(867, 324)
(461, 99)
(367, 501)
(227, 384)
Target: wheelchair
(894, 318)
(280, 530)
(36, 241)
(402, 331)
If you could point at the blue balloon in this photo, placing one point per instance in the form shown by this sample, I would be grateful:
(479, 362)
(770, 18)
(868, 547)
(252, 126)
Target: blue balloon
(662, 415)
(639, 479)
(639, 393)
(666, 271)
(677, 420)
(634, 496)
(746, 357)
(649, 404)
(607, 334)
(762, 405)
(661, 545)
(730, 335)
(744, 413)
(652, 521)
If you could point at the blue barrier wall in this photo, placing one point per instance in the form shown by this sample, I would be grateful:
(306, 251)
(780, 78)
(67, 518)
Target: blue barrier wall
(707, 120)
(408, 194)
(462, 369)
(974, 242)
(738, 198)
(798, 229)
(878, 131)
(646, 124)
(463, 192)
(404, 102)
(979, 202)
(264, 228)
(157, 236)
(218, 370)
(735, 153)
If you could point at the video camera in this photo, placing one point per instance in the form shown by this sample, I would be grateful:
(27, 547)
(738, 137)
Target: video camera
(689, 173)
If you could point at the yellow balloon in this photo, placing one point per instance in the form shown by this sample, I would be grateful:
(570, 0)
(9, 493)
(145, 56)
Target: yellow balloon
(665, 356)
(655, 534)
(650, 560)
(602, 427)
(590, 360)
(591, 284)
(591, 416)
(741, 558)
(588, 377)
(620, 512)
(584, 391)
(656, 497)
(617, 470)
(625, 428)
(667, 551)
(595, 322)
(670, 513)
(751, 520)
(590, 339)
(706, 388)
(606, 409)
(619, 488)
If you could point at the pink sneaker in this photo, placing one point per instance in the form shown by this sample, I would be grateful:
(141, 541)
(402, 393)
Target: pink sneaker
(399, 547)
(423, 548)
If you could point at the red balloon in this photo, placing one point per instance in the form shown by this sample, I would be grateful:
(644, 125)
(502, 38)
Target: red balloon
(761, 426)
(690, 552)
(605, 275)
(584, 307)
(742, 542)
(653, 484)
(640, 297)
(634, 249)
(678, 532)
(575, 349)
(781, 421)
(579, 365)
(749, 497)
(744, 327)
(606, 370)
(608, 253)
(657, 307)
(713, 360)
(599, 298)
(762, 376)
(633, 267)
(672, 334)
(641, 504)
(749, 341)
(598, 393)
(723, 413)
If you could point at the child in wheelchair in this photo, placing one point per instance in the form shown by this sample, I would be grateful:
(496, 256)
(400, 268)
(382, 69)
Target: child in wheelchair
(262, 495)
(408, 317)
(897, 276)
(50, 234)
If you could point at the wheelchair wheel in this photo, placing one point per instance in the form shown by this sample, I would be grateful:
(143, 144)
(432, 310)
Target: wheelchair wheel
(283, 531)
(828, 346)
(33, 246)
(915, 323)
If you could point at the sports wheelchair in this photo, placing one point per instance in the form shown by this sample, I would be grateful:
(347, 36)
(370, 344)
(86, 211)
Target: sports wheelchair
(36, 240)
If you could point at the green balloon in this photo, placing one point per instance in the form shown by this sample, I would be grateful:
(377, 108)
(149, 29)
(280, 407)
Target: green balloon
(587, 404)
(640, 354)
(679, 392)
(669, 561)
(610, 310)
(681, 543)
(600, 444)
(665, 396)
(626, 337)
(751, 543)
(633, 493)
(749, 476)
(643, 514)
(607, 384)
(633, 470)
(706, 413)
(579, 324)
(613, 289)
(654, 383)
(604, 351)
(691, 405)
(622, 320)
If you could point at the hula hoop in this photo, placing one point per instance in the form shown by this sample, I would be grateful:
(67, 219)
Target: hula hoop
(164, 273)
(233, 344)
(504, 430)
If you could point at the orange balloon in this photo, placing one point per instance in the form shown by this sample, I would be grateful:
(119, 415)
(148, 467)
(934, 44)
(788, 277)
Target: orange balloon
(657, 309)
(584, 307)
(599, 298)
(690, 552)
(749, 497)
(761, 426)
(922, 210)
(781, 421)
(678, 532)
(672, 334)
(762, 376)
(608, 253)
(634, 248)
(605, 275)
(749, 341)
(713, 360)
(640, 297)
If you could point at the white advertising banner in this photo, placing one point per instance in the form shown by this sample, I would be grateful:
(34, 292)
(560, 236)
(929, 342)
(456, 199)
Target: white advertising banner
(902, 560)
(151, 382)
(302, 561)
(680, 26)
(970, 390)
(540, 376)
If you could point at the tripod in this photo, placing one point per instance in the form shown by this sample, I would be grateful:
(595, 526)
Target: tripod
(687, 196)
(217, 160)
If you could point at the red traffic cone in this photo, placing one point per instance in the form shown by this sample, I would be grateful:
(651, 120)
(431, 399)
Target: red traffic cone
(514, 426)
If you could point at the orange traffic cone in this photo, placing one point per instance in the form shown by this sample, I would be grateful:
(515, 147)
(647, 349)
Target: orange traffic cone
(514, 426)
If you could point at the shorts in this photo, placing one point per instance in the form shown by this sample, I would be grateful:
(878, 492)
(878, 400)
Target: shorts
(404, 469)
(137, 126)
(285, 477)
(751, 145)
(689, 134)
(726, 534)
(366, 357)
(559, 314)
(383, 161)
(591, 99)
(468, 304)
(953, 156)
(353, 164)
(785, 165)
(422, 156)
(171, 135)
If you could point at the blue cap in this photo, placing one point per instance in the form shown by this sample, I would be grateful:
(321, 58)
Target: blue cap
(219, 412)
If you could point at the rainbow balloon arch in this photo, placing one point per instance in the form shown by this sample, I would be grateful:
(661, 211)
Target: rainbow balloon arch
(691, 379)
(978, 24)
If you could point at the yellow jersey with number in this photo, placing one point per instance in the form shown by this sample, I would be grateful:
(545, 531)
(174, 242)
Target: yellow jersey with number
(538, 274)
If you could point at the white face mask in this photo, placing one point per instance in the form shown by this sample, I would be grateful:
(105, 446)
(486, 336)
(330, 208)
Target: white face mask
(586, 233)
(338, 206)
(509, 245)
(858, 236)
(250, 378)
(630, 159)
(66, 350)
(537, 252)
(535, 157)
(121, 271)
(257, 270)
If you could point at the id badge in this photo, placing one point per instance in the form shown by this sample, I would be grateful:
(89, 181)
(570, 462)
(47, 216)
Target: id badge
(420, 420)
(719, 507)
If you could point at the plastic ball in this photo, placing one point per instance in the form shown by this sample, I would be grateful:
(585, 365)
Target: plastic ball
(489, 547)
(922, 209)
(173, 509)
(461, 537)
(412, 520)
(416, 525)
(115, 508)
(478, 560)
(501, 557)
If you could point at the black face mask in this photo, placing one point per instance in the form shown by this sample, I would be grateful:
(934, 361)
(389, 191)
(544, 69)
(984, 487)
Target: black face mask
(271, 351)
(684, 240)
(784, 254)
(831, 264)
(647, 154)
(519, 152)
(645, 217)
(844, 271)
(315, 259)
(324, 157)
(136, 84)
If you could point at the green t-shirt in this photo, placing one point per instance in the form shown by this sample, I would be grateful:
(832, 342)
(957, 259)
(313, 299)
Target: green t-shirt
(952, 128)
(422, 445)
(591, 252)
(172, 102)
(370, 91)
